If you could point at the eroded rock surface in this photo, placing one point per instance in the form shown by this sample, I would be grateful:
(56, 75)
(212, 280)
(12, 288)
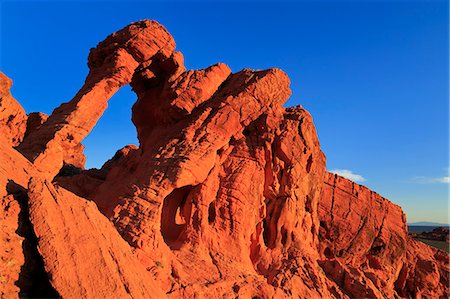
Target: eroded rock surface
(11, 257)
(367, 250)
(227, 194)
(13, 118)
(112, 63)
(82, 252)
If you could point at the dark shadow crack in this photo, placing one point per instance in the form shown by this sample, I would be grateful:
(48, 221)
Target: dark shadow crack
(33, 282)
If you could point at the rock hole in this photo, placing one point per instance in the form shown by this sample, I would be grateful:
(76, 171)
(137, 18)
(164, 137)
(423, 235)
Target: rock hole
(328, 253)
(377, 247)
(373, 262)
(236, 288)
(309, 163)
(103, 141)
(284, 235)
(308, 206)
(174, 273)
(175, 216)
(269, 234)
(266, 235)
(212, 212)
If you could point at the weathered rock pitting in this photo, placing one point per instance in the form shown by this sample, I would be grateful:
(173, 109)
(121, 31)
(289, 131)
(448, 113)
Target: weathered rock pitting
(13, 118)
(227, 194)
(365, 236)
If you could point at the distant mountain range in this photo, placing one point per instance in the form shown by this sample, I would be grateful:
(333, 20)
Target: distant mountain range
(426, 223)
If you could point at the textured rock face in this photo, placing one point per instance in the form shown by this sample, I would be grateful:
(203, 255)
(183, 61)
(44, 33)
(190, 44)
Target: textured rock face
(367, 251)
(13, 118)
(88, 248)
(49, 236)
(20, 268)
(425, 273)
(364, 233)
(11, 257)
(226, 196)
(112, 63)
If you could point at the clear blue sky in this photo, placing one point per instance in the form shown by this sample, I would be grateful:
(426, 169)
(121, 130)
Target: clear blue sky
(374, 75)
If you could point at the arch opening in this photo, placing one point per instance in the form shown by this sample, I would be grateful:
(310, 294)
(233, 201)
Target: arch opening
(175, 216)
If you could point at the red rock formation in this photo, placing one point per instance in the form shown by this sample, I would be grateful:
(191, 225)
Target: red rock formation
(14, 168)
(11, 257)
(13, 118)
(35, 121)
(112, 63)
(425, 272)
(82, 252)
(226, 196)
(18, 260)
(84, 183)
(366, 248)
(363, 232)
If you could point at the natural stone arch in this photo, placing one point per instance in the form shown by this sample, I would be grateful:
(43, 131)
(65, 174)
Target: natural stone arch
(112, 64)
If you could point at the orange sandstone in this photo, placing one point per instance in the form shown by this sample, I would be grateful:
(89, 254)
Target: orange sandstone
(227, 194)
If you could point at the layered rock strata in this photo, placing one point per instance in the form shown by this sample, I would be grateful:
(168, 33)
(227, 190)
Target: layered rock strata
(227, 194)
(368, 252)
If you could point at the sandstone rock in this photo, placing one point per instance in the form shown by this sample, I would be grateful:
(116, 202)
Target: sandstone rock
(82, 252)
(84, 183)
(226, 196)
(12, 116)
(364, 238)
(14, 168)
(11, 257)
(22, 267)
(425, 272)
(168, 94)
(112, 63)
(35, 121)
(20, 270)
